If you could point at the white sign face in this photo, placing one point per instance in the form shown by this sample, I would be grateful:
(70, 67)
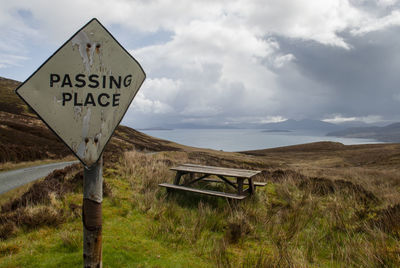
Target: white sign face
(84, 89)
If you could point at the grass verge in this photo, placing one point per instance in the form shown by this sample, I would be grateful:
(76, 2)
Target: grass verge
(297, 220)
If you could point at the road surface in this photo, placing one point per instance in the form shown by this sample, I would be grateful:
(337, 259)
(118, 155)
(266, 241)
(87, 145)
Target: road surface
(12, 179)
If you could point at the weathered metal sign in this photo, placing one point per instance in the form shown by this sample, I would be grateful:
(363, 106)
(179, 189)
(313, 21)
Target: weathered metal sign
(84, 89)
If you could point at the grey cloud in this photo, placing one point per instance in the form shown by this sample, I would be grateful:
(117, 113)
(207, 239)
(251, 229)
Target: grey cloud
(360, 81)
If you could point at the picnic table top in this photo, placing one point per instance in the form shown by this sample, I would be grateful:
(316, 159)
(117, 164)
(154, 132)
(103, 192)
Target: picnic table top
(231, 172)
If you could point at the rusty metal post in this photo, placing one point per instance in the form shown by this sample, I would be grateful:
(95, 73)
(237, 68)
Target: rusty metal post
(92, 215)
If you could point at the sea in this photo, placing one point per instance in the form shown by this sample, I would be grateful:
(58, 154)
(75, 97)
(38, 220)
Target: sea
(235, 140)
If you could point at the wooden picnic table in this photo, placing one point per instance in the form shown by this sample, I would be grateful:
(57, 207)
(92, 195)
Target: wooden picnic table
(241, 177)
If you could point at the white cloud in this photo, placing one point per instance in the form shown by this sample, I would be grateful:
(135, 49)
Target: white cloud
(387, 3)
(162, 89)
(273, 119)
(254, 119)
(370, 119)
(155, 96)
(7, 60)
(147, 106)
(376, 24)
(280, 61)
(218, 68)
(337, 119)
(316, 20)
(222, 59)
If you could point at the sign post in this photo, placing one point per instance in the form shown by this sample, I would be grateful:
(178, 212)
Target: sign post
(82, 93)
(91, 215)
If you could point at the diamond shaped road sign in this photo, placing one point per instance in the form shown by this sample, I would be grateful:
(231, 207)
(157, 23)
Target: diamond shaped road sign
(84, 89)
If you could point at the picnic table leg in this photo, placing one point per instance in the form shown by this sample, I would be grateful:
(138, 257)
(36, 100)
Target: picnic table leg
(177, 177)
(191, 178)
(240, 186)
(252, 188)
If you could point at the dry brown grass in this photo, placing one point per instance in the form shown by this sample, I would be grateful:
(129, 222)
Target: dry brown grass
(57, 183)
(41, 204)
(305, 216)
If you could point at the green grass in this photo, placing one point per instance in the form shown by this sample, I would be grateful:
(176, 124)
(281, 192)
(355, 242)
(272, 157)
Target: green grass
(284, 225)
(126, 242)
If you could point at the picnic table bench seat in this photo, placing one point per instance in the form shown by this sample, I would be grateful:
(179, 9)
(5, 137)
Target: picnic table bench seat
(242, 177)
(202, 191)
(256, 183)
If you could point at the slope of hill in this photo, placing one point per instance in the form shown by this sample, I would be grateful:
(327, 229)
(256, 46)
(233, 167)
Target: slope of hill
(24, 137)
(9, 101)
(334, 154)
(389, 133)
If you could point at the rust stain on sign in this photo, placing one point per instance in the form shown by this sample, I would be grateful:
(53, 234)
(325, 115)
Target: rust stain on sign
(84, 89)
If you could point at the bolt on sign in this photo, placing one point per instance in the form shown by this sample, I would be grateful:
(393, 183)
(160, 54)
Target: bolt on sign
(84, 89)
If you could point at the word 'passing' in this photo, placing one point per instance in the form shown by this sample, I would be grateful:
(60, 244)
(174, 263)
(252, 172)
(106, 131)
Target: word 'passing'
(80, 81)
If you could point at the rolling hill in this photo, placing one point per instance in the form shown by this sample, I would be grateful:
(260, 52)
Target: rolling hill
(389, 133)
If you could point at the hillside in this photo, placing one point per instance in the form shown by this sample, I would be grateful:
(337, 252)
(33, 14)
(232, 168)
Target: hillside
(389, 133)
(10, 102)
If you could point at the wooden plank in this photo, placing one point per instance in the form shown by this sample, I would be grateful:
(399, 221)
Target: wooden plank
(230, 172)
(256, 183)
(200, 191)
(240, 172)
(177, 177)
(195, 180)
(227, 181)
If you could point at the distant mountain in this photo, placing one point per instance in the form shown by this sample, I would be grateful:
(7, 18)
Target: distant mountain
(305, 124)
(389, 133)
(284, 126)
(289, 125)
(276, 130)
(196, 126)
(154, 128)
(352, 124)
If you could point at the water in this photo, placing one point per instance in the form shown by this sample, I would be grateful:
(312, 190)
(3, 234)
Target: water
(233, 140)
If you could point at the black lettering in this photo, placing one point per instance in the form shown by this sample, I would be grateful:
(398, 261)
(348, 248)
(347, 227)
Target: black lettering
(89, 100)
(76, 103)
(115, 101)
(79, 78)
(116, 83)
(66, 81)
(66, 97)
(94, 82)
(54, 78)
(127, 80)
(100, 102)
(104, 81)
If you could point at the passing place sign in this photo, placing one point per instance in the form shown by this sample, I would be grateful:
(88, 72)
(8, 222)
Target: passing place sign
(84, 89)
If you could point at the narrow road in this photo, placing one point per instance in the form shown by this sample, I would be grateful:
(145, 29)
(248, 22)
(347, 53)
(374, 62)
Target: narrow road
(12, 179)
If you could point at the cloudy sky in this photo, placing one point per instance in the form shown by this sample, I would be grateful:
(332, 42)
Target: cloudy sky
(230, 62)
